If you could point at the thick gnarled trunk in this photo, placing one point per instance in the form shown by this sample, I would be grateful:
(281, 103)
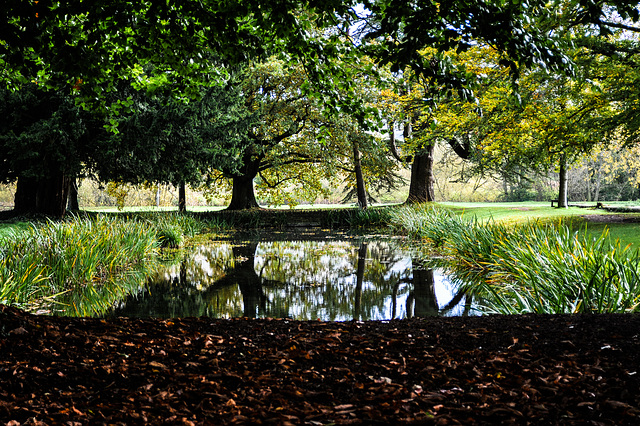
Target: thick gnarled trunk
(243, 196)
(421, 186)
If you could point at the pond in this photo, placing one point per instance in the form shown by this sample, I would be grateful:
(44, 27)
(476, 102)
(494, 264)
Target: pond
(329, 278)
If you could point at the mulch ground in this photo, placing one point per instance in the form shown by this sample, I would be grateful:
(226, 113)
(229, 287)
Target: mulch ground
(481, 370)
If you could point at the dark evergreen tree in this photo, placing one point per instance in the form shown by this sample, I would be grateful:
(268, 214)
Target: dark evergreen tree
(45, 143)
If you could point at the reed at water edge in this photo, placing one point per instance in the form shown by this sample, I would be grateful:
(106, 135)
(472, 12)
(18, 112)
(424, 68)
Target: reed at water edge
(534, 267)
(40, 263)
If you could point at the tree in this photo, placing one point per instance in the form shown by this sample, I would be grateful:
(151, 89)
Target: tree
(562, 119)
(524, 34)
(417, 124)
(45, 141)
(105, 42)
(554, 120)
(607, 174)
(164, 140)
(358, 148)
(301, 144)
(94, 50)
(281, 135)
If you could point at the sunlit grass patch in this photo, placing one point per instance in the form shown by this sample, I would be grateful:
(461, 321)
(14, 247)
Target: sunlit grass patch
(39, 264)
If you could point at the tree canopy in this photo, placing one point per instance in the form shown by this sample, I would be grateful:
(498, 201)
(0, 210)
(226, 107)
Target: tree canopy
(94, 52)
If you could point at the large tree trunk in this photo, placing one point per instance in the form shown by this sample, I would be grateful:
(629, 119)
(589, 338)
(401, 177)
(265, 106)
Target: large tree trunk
(182, 197)
(421, 187)
(26, 195)
(72, 203)
(361, 189)
(243, 196)
(562, 192)
(47, 196)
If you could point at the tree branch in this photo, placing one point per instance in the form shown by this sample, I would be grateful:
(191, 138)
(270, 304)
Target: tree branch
(462, 149)
(620, 26)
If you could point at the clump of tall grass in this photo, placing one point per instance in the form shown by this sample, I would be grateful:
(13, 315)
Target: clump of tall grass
(46, 260)
(364, 218)
(173, 229)
(426, 221)
(532, 267)
(554, 269)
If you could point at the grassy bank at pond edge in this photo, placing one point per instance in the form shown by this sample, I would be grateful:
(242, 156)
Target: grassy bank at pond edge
(526, 257)
(547, 266)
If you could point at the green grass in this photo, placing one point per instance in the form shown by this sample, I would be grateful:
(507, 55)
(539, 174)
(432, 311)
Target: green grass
(41, 263)
(529, 257)
(8, 228)
(518, 213)
(537, 266)
(82, 265)
(628, 234)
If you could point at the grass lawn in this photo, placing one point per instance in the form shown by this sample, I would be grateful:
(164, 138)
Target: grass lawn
(517, 212)
(626, 232)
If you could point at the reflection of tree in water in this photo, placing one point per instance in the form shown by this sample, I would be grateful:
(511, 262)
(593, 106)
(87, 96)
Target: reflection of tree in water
(423, 302)
(216, 282)
(332, 280)
(340, 281)
(251, 284)
(188, 288)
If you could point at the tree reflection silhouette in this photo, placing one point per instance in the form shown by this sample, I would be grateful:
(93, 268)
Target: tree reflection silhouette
(308, 280)
(423, 301)
(362, 260)
(243, 274)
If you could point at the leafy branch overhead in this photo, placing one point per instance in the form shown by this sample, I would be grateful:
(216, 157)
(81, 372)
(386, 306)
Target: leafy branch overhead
(160, 76)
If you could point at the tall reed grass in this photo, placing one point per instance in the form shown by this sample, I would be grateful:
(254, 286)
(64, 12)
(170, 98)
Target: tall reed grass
(373, 217)
(533, 267)
(41, 263)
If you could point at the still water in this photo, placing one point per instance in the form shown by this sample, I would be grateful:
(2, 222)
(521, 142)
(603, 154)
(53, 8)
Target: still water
(328, 279)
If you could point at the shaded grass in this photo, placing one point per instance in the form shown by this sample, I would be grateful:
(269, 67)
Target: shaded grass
(8, 228)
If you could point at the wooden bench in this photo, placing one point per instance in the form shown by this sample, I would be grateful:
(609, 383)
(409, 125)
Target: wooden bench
(554, 201)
